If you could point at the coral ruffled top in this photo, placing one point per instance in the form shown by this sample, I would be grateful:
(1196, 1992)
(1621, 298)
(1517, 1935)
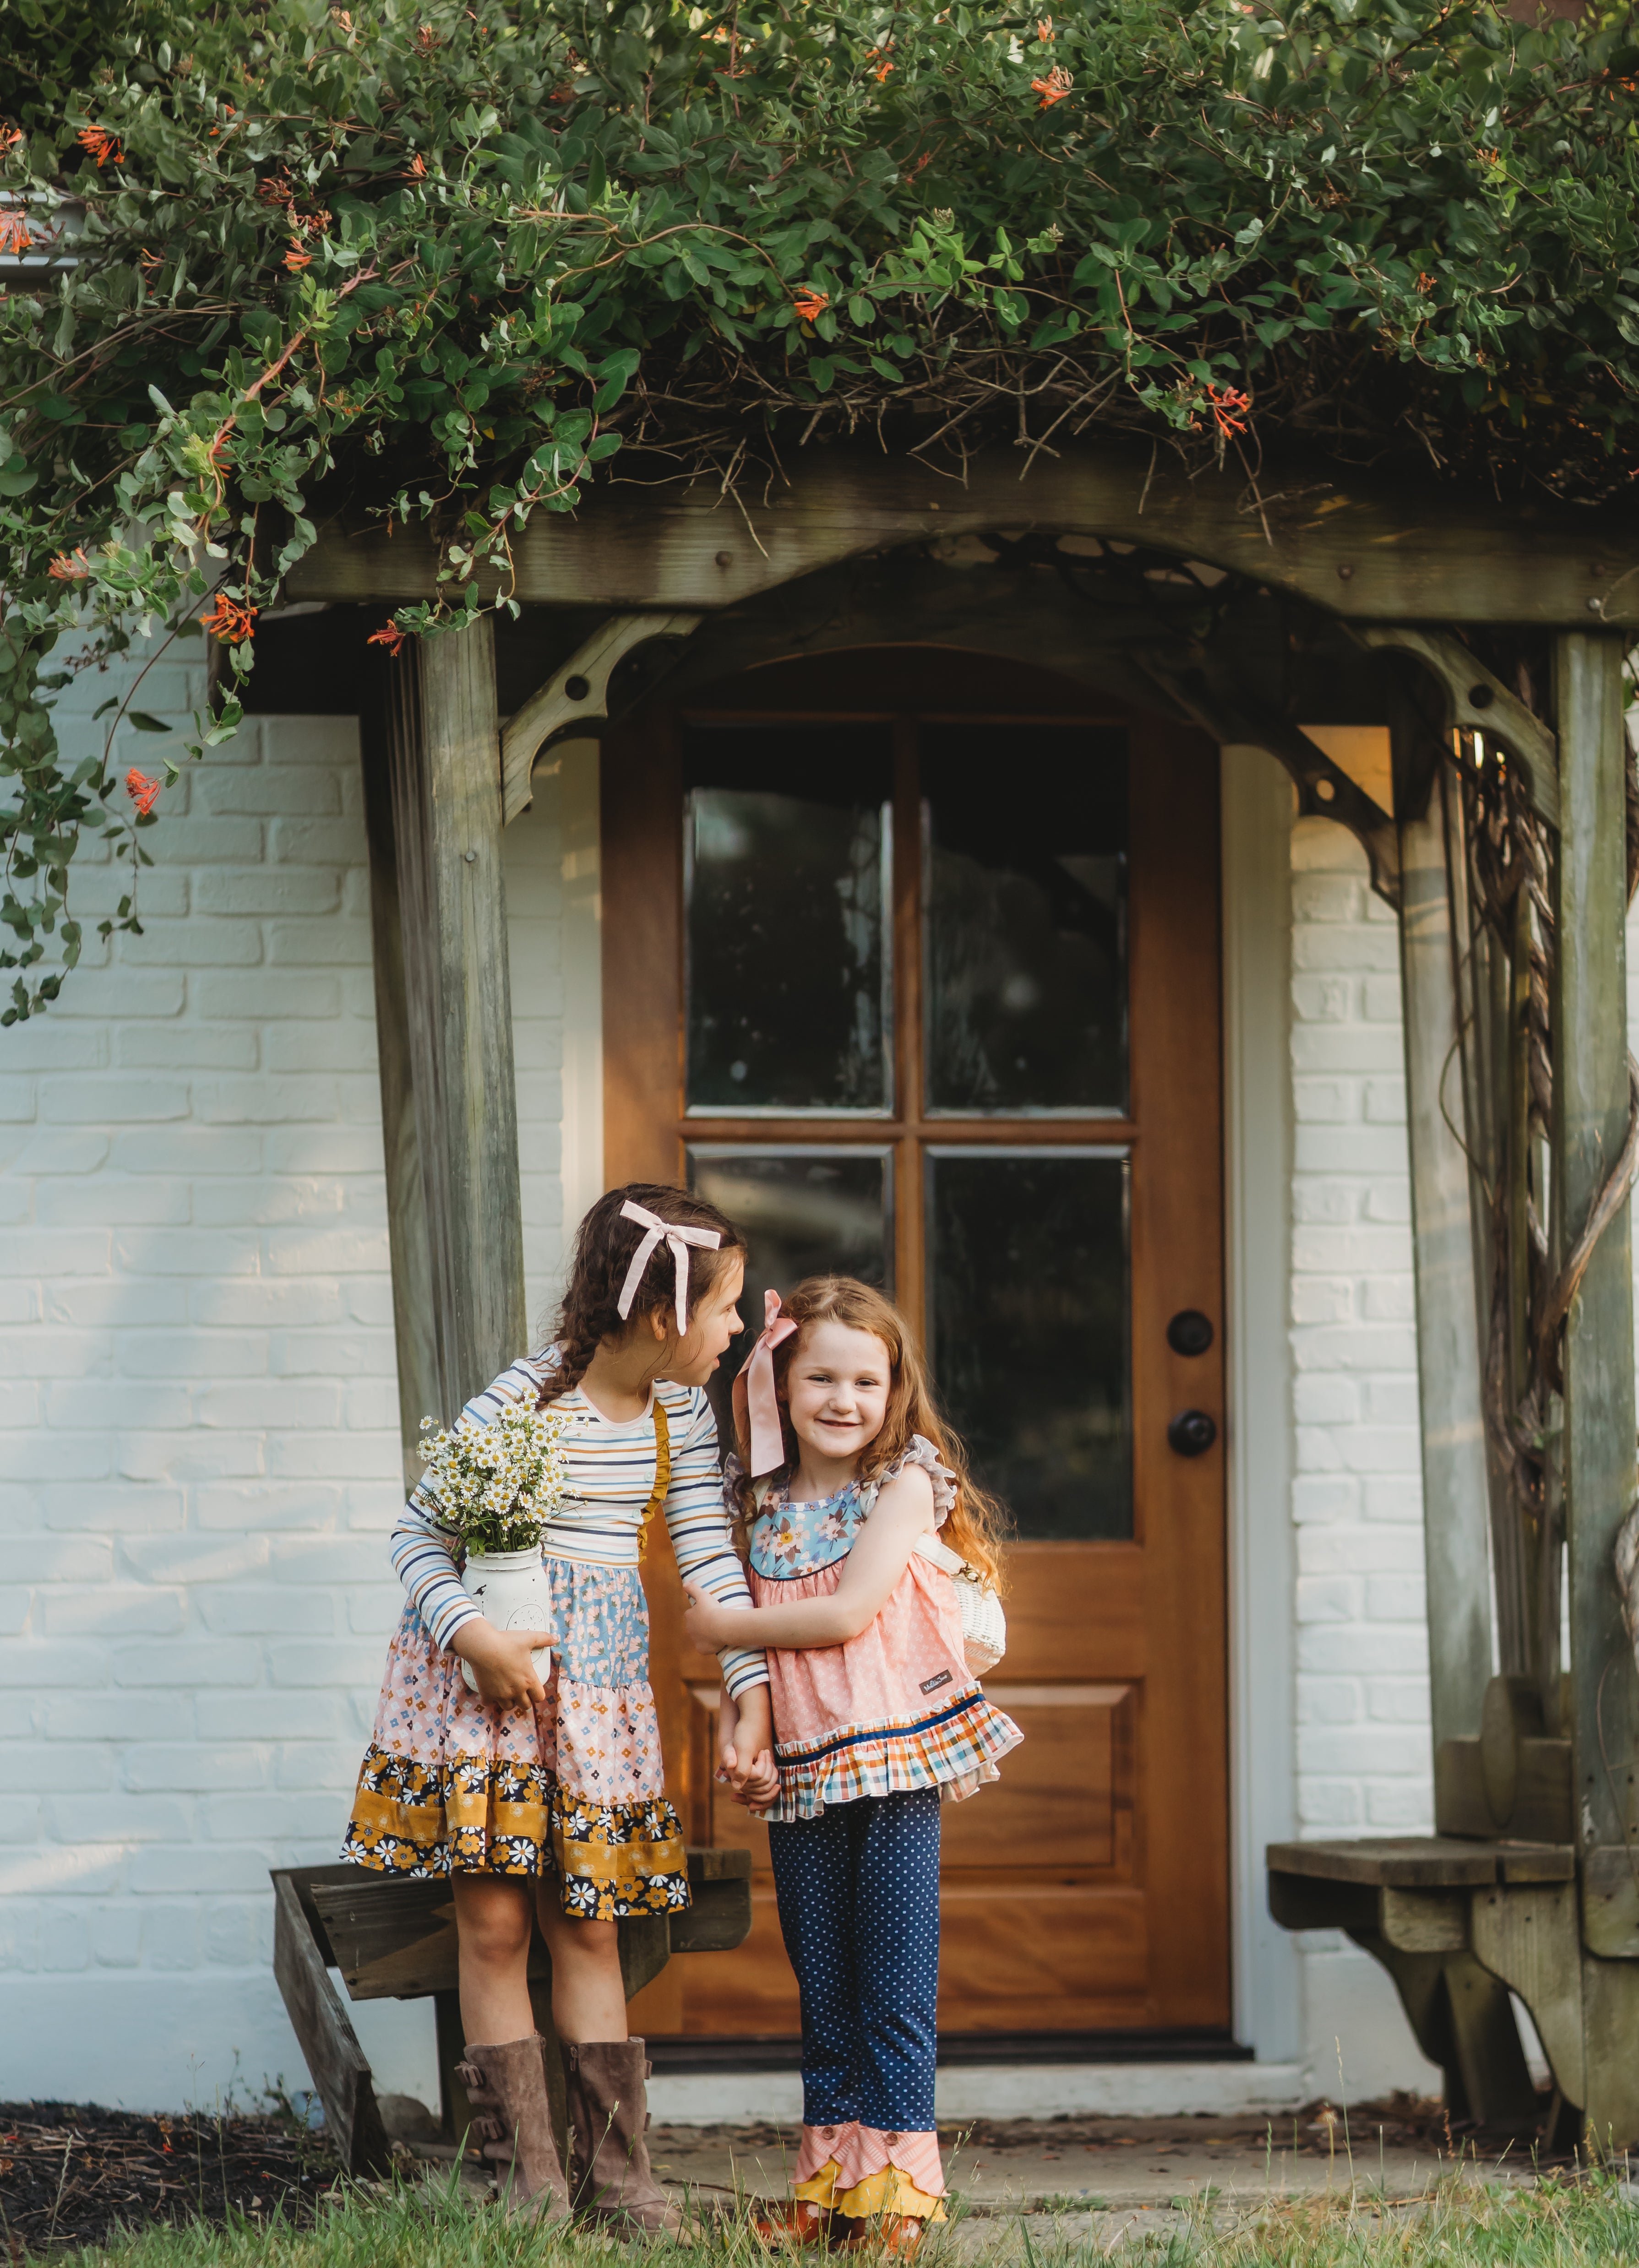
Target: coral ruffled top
(896, 1707)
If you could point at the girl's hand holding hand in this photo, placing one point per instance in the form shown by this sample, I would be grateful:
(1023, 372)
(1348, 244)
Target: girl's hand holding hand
(758, 1785)
(500, 1662)
(745, 1746)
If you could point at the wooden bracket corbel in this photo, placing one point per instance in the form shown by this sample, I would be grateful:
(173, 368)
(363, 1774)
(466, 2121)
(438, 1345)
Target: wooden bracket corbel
(1477, 701)
(1325, 790)
(574, 696)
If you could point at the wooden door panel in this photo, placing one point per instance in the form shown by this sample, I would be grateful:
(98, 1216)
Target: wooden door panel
(1065, 1799)
(1025, 1955)
(1074, 1608)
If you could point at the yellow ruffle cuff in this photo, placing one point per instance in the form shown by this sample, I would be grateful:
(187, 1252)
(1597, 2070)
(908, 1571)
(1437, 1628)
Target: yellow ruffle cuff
(889, 2190)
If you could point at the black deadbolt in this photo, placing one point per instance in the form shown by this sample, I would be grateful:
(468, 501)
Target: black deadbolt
(1190, 1332)
(1191, 1433)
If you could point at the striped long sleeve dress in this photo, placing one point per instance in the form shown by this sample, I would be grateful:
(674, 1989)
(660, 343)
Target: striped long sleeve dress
(451, 1784)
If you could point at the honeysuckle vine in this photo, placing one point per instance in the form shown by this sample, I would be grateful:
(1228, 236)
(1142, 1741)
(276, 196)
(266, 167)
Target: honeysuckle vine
(434, 261)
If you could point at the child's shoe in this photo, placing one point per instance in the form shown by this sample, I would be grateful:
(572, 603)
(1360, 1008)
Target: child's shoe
(799, 2220)
(899, 2233)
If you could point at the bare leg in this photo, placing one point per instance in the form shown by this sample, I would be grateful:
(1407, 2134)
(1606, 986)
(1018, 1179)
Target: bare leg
(494, 1923)
(588, 1997)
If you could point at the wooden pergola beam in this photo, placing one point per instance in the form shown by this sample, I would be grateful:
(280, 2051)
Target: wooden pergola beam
(1358, 546)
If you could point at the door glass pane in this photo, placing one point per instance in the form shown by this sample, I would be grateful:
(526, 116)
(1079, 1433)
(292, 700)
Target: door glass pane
(787, 859)
(1026, 918)
(806, 1213)
(1027, 1293)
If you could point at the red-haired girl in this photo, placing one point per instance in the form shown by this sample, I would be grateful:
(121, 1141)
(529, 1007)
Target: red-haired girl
(550, 1801)
(843, 1466)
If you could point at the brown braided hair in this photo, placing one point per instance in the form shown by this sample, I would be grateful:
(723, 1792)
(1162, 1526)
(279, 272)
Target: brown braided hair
(604, 1244)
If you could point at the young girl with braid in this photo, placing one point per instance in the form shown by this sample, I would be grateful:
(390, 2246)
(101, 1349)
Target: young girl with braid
(844, 1468)
(550, 1801)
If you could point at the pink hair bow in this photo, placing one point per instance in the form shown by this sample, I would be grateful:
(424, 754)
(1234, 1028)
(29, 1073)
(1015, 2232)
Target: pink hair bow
(757, 1404)
(679, 1238)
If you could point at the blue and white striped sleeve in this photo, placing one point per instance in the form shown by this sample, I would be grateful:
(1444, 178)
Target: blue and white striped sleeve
(700, 1537)
(421, 1551)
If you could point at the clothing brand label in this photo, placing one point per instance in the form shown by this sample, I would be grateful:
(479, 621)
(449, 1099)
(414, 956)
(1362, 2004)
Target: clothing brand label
(933, 1684)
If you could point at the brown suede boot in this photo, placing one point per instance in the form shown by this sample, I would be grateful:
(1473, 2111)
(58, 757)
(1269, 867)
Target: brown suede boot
(608, 2119)
(506, 2087)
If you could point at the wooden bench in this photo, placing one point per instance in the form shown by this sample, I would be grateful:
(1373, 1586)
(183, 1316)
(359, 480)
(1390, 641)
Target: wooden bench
(394, 1939)
(1458, 1925)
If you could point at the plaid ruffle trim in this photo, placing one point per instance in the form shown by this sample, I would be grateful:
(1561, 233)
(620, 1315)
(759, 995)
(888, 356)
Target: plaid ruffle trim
(955, 1748)
(483, 1815)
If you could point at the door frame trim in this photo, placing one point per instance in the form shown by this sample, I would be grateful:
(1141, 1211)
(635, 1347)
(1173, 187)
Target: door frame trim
(1257, 807)
(1266, 1966)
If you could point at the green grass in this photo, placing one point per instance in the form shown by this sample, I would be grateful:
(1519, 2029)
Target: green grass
(1460, 2223)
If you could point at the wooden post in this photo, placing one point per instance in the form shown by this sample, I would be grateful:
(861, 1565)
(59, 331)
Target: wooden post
(444, 766)
(419, 1388)
(1456, 1499)
(1590, 1013)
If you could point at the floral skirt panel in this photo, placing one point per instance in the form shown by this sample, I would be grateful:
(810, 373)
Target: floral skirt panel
(452, 1785)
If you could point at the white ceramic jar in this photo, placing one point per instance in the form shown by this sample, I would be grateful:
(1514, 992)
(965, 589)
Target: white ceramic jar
(511, 1589)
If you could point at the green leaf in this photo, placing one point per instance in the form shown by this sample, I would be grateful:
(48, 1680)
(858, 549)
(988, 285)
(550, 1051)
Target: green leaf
(144, 723)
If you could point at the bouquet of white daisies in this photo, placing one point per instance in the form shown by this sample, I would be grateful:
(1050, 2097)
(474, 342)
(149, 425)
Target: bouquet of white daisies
(496, 1485)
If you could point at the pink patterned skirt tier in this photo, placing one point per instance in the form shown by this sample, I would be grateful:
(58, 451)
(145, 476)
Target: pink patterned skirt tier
(451, 1784)
(895, 1708)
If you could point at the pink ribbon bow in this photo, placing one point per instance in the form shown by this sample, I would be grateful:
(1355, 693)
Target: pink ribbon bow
(679, 1238)
(757, 1404)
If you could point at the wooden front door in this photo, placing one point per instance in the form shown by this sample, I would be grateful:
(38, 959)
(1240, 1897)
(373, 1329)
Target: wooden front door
(912, 963)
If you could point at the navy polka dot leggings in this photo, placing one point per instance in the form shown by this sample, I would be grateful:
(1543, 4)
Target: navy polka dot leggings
(858, 1910)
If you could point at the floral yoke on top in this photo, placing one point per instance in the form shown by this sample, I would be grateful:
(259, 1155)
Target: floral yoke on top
(892, 1711)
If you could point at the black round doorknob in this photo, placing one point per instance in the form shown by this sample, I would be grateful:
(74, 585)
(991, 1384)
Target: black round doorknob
(1191, 1433)
(1190, 1332)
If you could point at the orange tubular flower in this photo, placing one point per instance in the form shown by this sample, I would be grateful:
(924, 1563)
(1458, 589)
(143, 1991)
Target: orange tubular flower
(417, 167)
(296, 260)
(143, 793)
(9, 140)
(100, 144)
(1229, 406)
(231, 622)
(1053, 88)
(880, 57)
(1043, 28)
(275, 190)
(810, 303)
(69, 567)
(14, 236)
(390, 636)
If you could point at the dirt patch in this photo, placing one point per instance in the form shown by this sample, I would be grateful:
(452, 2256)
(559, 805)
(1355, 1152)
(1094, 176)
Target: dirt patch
(70, 2174)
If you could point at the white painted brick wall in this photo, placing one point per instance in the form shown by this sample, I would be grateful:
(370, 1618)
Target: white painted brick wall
(198, 1423)
(1364, 1762)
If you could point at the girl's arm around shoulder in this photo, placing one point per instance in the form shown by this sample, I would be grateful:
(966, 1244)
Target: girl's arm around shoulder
(903, 1510)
